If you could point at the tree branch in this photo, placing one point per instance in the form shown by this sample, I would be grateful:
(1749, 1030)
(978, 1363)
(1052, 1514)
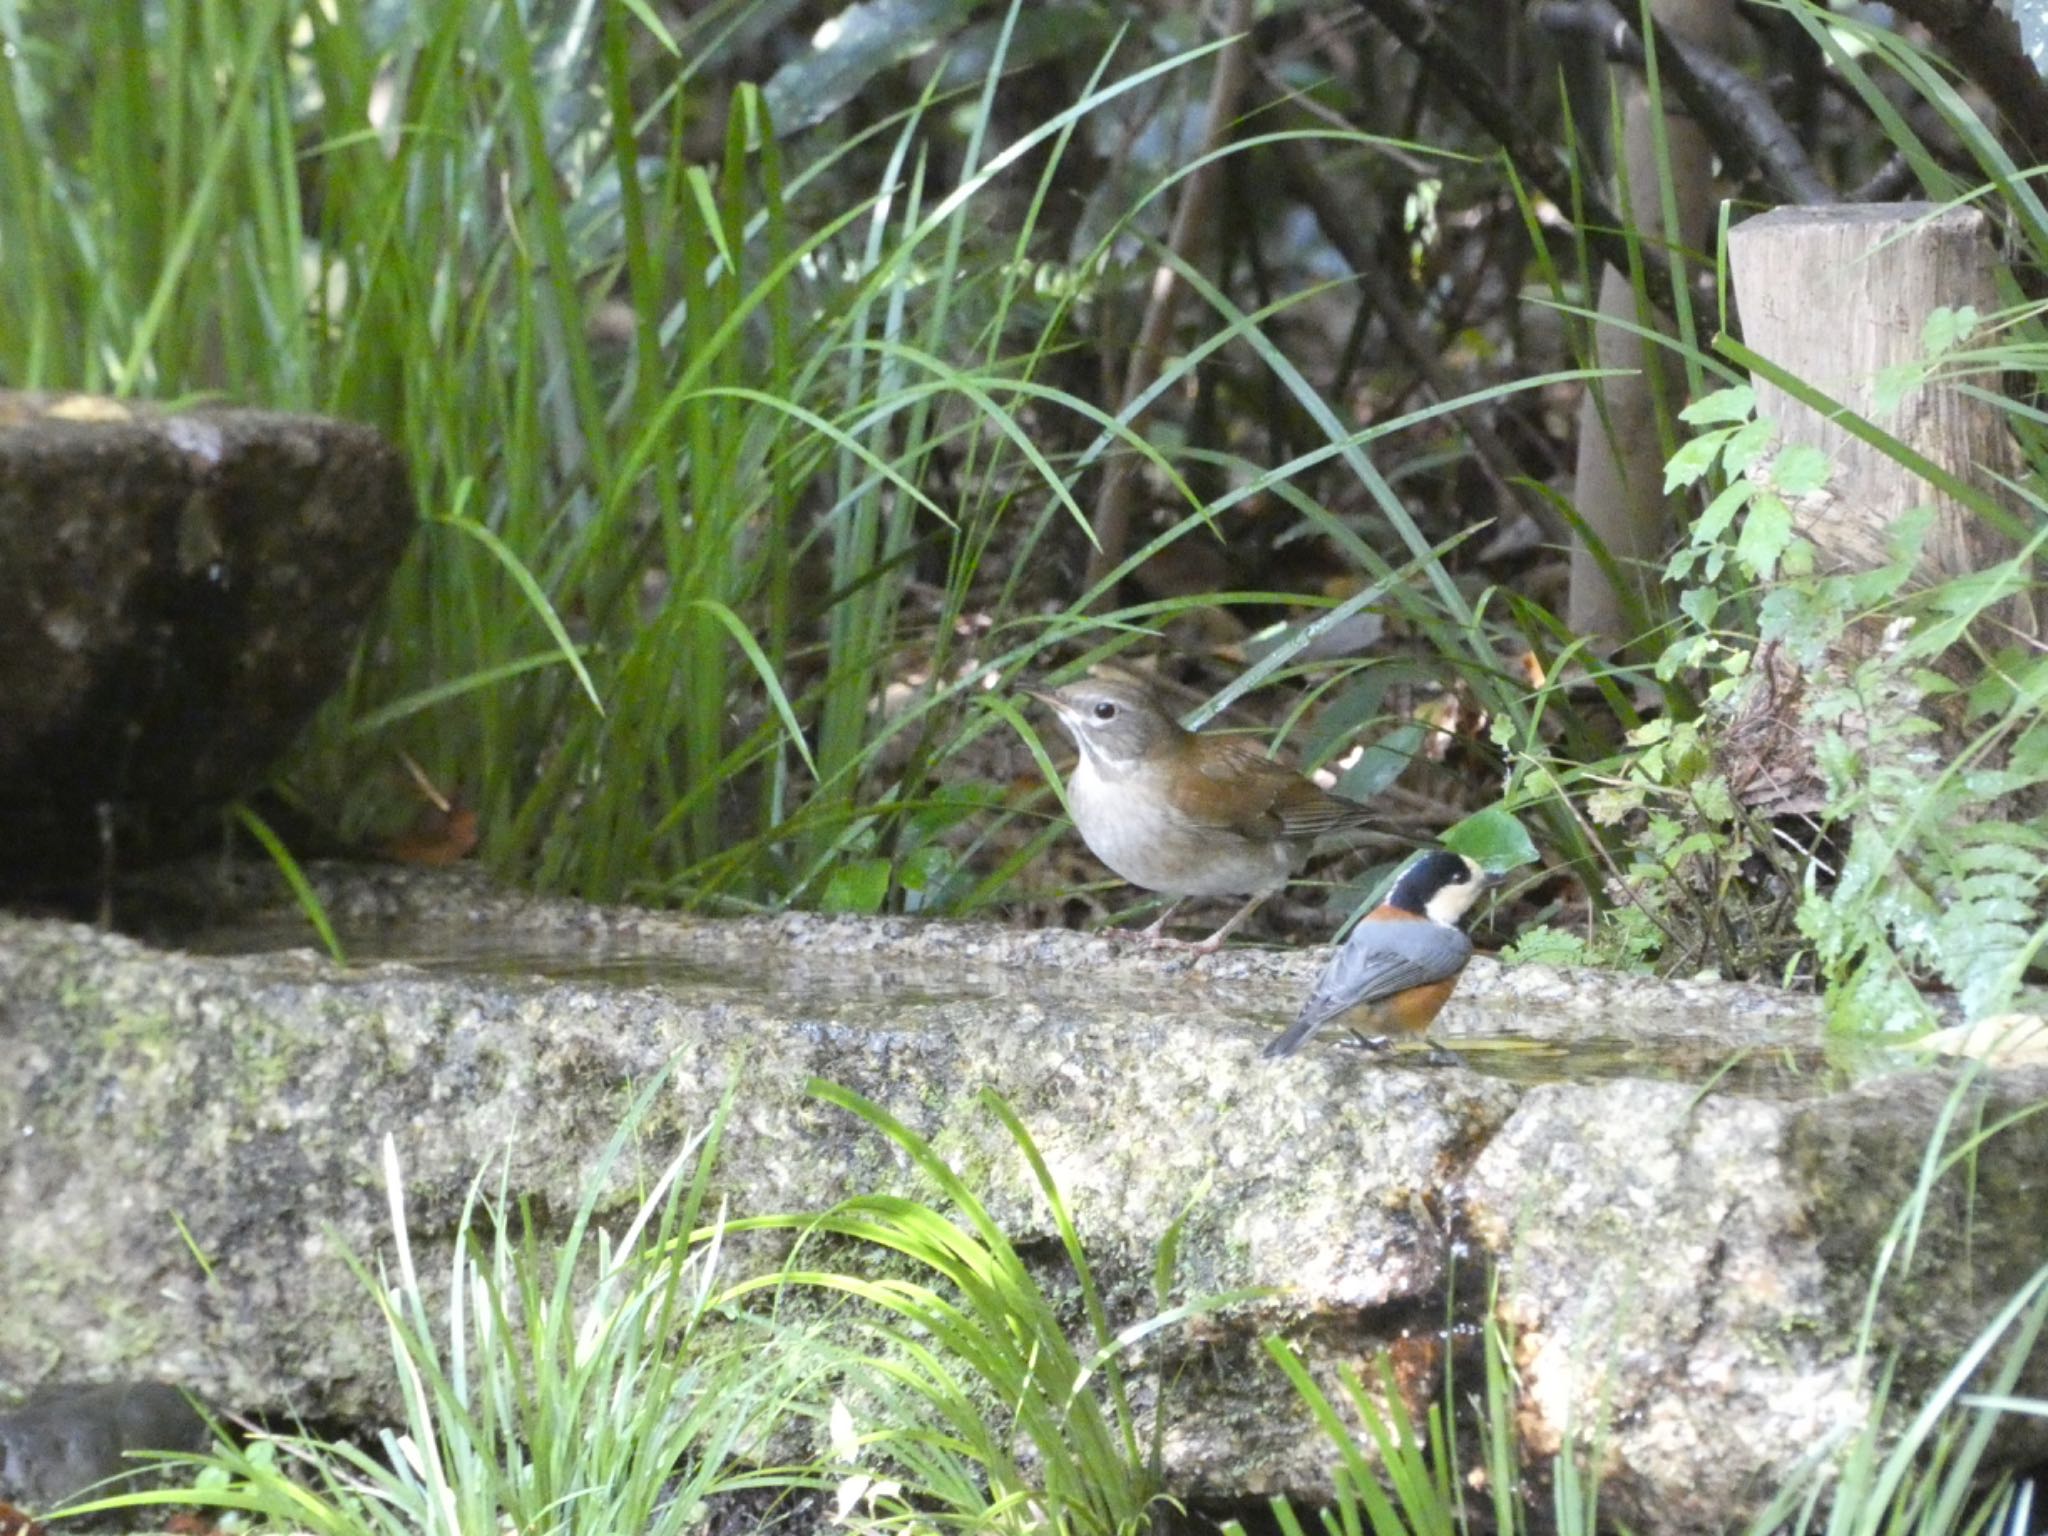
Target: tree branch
(1538, 162)
(1985, 44)
(1734, 112)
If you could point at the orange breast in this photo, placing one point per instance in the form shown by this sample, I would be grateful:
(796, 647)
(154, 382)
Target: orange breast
(1405, 1013)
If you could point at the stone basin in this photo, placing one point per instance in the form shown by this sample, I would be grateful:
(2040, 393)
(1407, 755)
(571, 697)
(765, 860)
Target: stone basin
(1678, 1189)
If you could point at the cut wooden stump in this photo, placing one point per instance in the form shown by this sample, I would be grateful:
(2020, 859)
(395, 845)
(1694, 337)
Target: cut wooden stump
(1839, 297)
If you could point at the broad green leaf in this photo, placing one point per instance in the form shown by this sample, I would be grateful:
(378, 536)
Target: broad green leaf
(1382, 762)
(926, 869)
(1747, 445)
(1700, 604)
(1736, 403)
(1800, 470)
(1948, 328)
(858, 885)
(1493, 838)
(1693, 459)
(850, 49)
(1765, 533)
(1708, 527)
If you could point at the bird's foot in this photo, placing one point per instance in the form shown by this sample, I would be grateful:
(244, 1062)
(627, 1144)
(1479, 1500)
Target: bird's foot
(1155, 932)
(1214, 942)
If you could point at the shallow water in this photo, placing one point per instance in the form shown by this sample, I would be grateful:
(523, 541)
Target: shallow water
(882, 991)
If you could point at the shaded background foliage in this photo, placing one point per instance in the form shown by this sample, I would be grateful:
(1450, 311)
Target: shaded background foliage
(770, 372)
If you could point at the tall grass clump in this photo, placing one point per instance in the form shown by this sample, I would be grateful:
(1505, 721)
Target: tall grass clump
(1929, 1469)
(710, 452)
(970, 1401)
(922, 1374)
(903, 1367)
(572, 1385)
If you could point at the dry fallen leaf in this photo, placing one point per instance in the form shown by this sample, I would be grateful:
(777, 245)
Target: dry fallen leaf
(444, 833)
(2003, 1040)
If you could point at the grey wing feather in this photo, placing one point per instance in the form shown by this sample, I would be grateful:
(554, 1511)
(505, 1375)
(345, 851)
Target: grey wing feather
(1376, 963)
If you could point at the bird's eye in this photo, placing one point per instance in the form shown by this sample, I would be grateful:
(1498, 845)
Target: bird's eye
(1105, 710)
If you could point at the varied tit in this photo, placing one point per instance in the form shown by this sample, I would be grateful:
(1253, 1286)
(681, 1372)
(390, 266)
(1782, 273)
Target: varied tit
(1182, 813)
(1398, 968)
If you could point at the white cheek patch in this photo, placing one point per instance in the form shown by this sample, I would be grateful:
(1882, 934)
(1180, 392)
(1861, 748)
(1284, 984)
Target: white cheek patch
(1452, 902)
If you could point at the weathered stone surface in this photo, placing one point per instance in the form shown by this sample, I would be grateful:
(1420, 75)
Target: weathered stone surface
(65, 1440)
(178, 592)
(1695, 1269)
(1710, 1246)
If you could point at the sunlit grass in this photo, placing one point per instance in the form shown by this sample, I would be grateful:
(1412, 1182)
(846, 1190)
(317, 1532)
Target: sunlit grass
(691, 440)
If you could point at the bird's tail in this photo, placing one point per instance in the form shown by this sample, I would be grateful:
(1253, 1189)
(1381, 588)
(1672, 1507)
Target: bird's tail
(1298, 1034)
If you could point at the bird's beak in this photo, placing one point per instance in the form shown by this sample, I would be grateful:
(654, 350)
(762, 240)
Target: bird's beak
(1045, 696)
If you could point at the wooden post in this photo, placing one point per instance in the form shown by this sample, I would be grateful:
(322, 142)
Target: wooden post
(1838, 295)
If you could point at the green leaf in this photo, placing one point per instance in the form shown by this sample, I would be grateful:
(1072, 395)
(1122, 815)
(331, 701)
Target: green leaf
(1948, 328)
(1700, 604)
(1493, 838)
(763, 669)
(302, 888)
(853, 47)
(1765, 533)
(1548, 946)
(1748, 445)
(1608, 806)
(1693, 459)
(1736, 403)
(926, 869)
(1800, 470)
(1893, 384)
(1714, 800)
(1906, 535)
(1382, 762)
(1708, 527)
(536, 599)
(859, 885)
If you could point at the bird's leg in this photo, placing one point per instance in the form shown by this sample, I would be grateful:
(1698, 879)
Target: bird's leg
(1374, 1043)
(1155, 931)
(1214, 942)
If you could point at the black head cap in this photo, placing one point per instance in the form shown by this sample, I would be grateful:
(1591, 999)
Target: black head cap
(1440, 885)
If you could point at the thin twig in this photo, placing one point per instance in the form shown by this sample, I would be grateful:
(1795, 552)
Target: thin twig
(1985, 44)
(1730, 107)
(1888, 183)
(1537, 160)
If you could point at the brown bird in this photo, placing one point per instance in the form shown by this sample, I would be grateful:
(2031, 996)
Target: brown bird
(1182, 813)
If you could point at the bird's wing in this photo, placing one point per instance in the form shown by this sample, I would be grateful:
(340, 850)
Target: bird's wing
(1247, 792)
(1309, 811)
(1380, 959)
